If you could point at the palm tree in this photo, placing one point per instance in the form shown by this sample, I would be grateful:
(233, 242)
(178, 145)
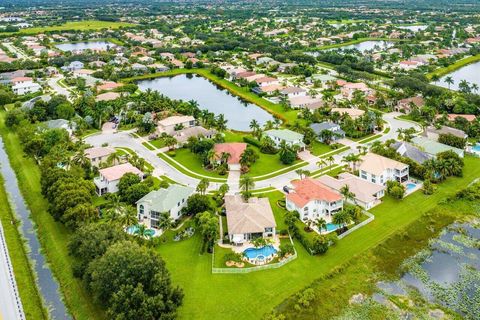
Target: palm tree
(202, 186)
(165, 221)
(347, 194)
(320, 223)
(341, 218)
(141, 232)
(212, 157)
(114, 158)
(300, 173)
(81, 159)
(224, 157)
(246, 183)
(474, 87)
(254, 126)
(435, 78)
(129, 216)
(321, 163)
(223, 189)
(330, 160)
(449, 81)
(351, 159)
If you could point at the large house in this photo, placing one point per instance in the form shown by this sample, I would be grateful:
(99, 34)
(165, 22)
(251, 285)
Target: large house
(248, 220)
(433, 133)
(410, 151)
(366, 194)
(334, 128)
(312, 199)
(171, 124)
(405, 105)
(24, 85)
(234, 149)
(196, 131)
(98, 155)
(108, 180)
(290, 137)
(433, 147)
(379, 169)
(170, 200)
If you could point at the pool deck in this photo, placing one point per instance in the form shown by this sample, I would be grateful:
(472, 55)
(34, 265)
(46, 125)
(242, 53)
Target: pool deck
(248, 244)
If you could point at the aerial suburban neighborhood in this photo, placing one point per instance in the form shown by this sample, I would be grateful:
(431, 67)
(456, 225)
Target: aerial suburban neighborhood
(239, 159)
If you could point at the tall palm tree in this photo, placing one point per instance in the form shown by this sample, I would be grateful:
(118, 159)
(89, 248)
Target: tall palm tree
(449, 81)
(330, 160)
(347, 194)
(165, 221)
(246, 183)
(321, 163)
(114, 158)
(320, 223)
(202, 186)
(129, 216)
(141, 232)
(212, 158)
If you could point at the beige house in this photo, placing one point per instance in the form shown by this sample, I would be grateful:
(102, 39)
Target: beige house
(248, 220)
(379, 170)
(353, 113)
(98, 155)
(367, 194)
(175, 123)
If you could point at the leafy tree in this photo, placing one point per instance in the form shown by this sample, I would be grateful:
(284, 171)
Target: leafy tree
(197, 203)
(202, 186)
(320, 244)
(128, 180)
(135, 192)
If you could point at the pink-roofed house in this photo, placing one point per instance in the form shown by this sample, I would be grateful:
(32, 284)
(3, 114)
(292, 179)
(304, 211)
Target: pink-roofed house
(235, 149)
(109, 85)
(108, 180)
(349, 88)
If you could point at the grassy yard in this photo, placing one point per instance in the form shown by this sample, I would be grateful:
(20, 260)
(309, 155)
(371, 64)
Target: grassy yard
(76, 25)
(24, 275)
(191, 161)
(267, 163)
(53, 235)
(318, 148)
(244, 93)
(192, 272)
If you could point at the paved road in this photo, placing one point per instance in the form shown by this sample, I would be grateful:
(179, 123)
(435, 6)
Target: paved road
(10, 304)
(124, 139)
(53, 83)
(20, 54)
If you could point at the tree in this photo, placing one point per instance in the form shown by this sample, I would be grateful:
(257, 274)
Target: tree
(223, 189)
(330, 160)
(341, 218)
(197, 203)
(128, 180)
(449, 81)
(320, 244)
(320, 223)
(208, 226)
(202, 186)
(347, 194)
(287, 156)
(246, 184)
(165, 221)
(113, 159)
(135, 192)
(127, 265)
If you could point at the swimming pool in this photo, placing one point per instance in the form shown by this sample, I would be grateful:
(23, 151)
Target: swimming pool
(411, 186)
(259, 253)
(134, 230)
(332, 227)
(476, 148)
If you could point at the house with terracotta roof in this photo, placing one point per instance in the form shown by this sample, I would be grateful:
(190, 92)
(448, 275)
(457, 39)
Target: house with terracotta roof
(378, 169)
(234, 149)
(247, 220)
(366, 194)
(108, 85)
(98, 155)
(352, 112)
(406, 105)
(108, 180)
(266, 81)
(312, 199)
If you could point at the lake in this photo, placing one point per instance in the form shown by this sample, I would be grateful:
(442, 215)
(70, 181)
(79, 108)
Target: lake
(376, 45)
(413, 28)
(48, 286)
(209, 97)
(470, 73)
(80, 46)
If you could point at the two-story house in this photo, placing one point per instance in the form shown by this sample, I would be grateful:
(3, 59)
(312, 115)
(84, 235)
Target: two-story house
(175, 123)
(171, 200)
(334, 128)
(108, 180)
(98, 155)
(312, 199)
(290, 137)
(379, 169)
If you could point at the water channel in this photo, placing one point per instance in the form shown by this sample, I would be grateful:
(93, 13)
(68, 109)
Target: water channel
(49, 288)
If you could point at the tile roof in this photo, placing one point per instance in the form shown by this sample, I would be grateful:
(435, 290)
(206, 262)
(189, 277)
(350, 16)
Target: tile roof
(235, 149)
(308, 189)
(284, 134)
(96, 152)
(173, 120)
(363, 190)
(375, 164)
(116, 172)
(248, 217)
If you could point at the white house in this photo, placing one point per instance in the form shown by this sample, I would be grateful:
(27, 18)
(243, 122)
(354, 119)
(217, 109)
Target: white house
(98, 155)
(108, 180)
(366, 194)
(171, 200)
(26, 87)
(312, 199)
(292, 92)
(290, 137)
(171, 124)
(379, 170)
(248, 220)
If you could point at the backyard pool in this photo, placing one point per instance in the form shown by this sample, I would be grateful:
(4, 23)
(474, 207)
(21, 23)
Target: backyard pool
(476, 148)
(332, 227)
(260, 253)
(134, 230)
(411, 186)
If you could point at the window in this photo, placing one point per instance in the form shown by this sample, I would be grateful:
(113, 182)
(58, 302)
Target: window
(183, 200)
(268, 229)
(141, 209)
(154, 214)
(178, 204)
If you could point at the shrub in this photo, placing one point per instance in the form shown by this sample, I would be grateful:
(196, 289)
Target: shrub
(285, 249)
(252, 141)
(232, 256)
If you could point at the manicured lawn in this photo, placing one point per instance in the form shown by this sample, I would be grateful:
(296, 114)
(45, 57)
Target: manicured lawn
(189, 160)
(250, 296)
(77, 25)
(24, 276)
(267, 163)
(53, 236)
(244, 93)
(318, 148)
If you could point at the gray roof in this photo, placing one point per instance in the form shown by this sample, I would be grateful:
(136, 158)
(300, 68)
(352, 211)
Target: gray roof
(408, 150)
(164, 200)
(447, 130)
(319, 127)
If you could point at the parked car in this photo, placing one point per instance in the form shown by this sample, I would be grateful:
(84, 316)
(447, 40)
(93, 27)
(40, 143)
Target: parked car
(286, 189)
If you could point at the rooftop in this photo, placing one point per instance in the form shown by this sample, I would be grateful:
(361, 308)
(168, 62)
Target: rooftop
(116, 172)
(164, 200)
(375, 164)
(308, 189)
(248, 217)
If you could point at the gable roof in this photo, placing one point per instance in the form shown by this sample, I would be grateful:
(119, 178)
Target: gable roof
(248, 217)
(164, 200)
(447, 130)
(173, 120)
(308, 189)
(408, 150)
(319, 127)
(96, 152)
(116, 172)
(434, 147)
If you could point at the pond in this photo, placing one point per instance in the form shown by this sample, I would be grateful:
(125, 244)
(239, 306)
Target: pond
(213, 98)
(49, 288)
(375, 45)
(413, 28)
(470, 73)
(92, 45)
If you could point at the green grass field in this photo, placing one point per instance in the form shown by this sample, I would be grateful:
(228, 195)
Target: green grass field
(457, 65)
(53, 235)
(75, 25)
(24, 275)
(250, 296)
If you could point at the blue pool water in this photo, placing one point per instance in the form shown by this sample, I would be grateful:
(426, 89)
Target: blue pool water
(332, 227)
(134, 230)
(411, 186)
(476, 147)
(253, 253)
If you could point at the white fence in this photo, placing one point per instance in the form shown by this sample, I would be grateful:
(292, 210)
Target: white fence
(371, 217)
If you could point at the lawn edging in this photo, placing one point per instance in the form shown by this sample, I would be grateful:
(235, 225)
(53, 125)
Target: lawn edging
(182, 169)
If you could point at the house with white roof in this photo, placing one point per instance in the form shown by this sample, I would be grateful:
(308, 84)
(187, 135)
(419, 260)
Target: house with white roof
(175, 123)
(378, 169)
(312, 200)
(172, 200)
(290, 137)
(247, 220)
(108, 180)
(366, 194)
